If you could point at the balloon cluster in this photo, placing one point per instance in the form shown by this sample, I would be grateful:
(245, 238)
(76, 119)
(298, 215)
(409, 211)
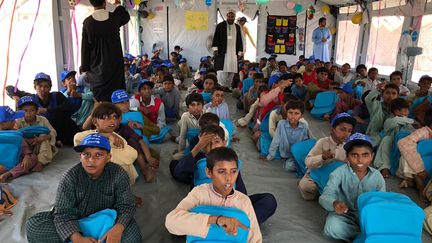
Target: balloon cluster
(262, 2)
(325, 9)
(311, 12)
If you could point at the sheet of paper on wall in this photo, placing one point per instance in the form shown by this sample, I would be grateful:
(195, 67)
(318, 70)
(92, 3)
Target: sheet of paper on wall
(196, 20)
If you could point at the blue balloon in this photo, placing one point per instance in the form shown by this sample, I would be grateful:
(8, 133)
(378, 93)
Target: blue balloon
(298, 8)
(208, 2)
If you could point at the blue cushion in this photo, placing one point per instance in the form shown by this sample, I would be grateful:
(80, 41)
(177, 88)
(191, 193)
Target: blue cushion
(207, 97)
(247, 84)
(98, 224)
(34, 131)
(300, 151)
(190, 134)
(229, 126)
(216, 233)
(416, 102)
(325, 103)
(200, 176)
(424, 149)
(161, 136)
(321, 175)
(390, 216)
(134, 116)
(358, 91)
(265, 138)
(10, 148)
(395, 153)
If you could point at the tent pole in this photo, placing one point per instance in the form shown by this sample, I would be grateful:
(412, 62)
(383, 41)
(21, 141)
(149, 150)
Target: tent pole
(305, 31)
(167, 24)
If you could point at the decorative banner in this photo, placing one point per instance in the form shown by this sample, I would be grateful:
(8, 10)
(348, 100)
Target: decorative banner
(281, 35)
(196, 20)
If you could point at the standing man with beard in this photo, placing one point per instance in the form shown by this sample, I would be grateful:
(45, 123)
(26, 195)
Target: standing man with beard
(321, 38)
(227, 45)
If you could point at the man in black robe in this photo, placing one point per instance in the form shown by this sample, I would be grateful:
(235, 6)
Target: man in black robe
(101, 50)
(227, 45)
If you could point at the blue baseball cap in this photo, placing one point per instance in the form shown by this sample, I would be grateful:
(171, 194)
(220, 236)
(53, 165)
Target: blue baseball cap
(273, 79)
(243, 19)
(7, 114)
(204, 59)
(203, 70)
(182, 60)
(119, 96)
(66, 74)
(42, 76)
(357, 138)
(274, 56)
(94, 140)
(347, 88)
(343, 117)
(145, 82)
(129, 56)
(27, 100)
(255, 69)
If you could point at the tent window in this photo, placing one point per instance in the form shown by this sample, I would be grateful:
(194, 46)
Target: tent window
(36, 59)
(348, 35)
(349, 9)
(387, 4)
(384, 39)
(423, 63)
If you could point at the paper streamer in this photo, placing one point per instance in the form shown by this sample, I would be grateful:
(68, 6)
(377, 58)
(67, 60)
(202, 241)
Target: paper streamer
(1, 3)
(8, 49)
(28, 42)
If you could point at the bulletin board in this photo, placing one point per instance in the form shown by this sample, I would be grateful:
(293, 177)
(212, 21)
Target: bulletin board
(281, 34)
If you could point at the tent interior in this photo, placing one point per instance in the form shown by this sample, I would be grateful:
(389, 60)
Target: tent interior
(45, 36)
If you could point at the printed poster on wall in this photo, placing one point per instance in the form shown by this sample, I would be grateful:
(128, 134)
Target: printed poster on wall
(196, 20)
(281, 34)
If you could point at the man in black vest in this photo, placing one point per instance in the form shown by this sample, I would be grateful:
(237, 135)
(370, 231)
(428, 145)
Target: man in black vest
(227, 45)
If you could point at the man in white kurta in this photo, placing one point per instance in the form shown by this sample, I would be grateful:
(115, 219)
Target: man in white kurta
(227, 44)
(321, 38)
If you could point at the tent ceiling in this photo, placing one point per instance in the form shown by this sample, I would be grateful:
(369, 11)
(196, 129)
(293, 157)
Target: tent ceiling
(340, 3)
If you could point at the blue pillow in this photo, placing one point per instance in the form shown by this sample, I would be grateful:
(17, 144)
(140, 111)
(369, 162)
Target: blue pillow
(10, 148)
(98, 224)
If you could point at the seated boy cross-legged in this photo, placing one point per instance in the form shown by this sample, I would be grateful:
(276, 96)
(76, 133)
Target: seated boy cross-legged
(325, 151)
(88, 187)
(345, 185)
(222, 168)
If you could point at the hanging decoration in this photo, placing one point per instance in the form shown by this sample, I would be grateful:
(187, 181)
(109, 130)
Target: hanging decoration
(291, 5)
(357, 18)
(130, 4)
(333, 30)
(298, 8)
(241, 5)
(208, 2)
(186, 4)
(311, 12)
(262, 2)
(137, 2)
(325, 9)
(151, 16)
(72, 3)
(177, 3)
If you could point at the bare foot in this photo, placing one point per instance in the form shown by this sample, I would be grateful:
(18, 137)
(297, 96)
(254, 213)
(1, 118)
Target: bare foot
(59, 144)
(409, 182)
(150, 174)
(4, 212)
(235, 139)
(385, 173)
(2, 169)
(326, 117)
(264, 158)
(420, 188)
(138, 201)
(5, 176)
(38, 168)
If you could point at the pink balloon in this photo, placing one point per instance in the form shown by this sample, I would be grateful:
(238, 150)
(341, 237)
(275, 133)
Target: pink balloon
(291, 5)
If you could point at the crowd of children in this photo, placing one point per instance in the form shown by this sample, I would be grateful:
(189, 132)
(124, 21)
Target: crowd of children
(113, 137)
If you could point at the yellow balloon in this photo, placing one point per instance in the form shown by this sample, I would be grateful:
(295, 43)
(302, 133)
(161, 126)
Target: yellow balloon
(137, 2)
(357, 18)
(151, 16)
(325, 9)
(333, 30)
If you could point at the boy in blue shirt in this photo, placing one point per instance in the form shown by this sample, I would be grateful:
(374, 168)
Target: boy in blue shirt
(346, 184)
(289, 132)
(299, 89)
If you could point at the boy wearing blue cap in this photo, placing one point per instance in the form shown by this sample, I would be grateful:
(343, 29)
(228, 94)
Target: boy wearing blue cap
(70, 90)
(106, 187)
(44, 144)
(346, 101)
(325, 151)
(28, 159)
(345, 185)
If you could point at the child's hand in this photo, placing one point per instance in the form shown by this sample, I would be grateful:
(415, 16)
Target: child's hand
(114, 235)
(340, 207)
(230, 225)
(134, 125)
(42, 111)
(4, 212)
(78, 238)
(327, 154)
(154, 163)
(144, 110)
(381, 86)
(117, 141)
(204, 140)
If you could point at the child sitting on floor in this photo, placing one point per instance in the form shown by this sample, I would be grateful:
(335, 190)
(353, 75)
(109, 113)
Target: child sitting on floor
(361, 114)
(44, 144)
(251, 95)
(105, 118)
(189, 119)
(289, 132)
(346, 102)
(325, 151)
(151, 107)
(399, 121)
(218, 105)
(28, 159)
(222, 168)
(299, 89)
(93, 185)
(70, 90)
(170, 97)
(345, 185)
(412, 167)
(396, 78)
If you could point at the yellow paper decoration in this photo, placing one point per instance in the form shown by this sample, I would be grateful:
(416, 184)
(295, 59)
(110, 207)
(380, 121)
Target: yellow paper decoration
(196, 20)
